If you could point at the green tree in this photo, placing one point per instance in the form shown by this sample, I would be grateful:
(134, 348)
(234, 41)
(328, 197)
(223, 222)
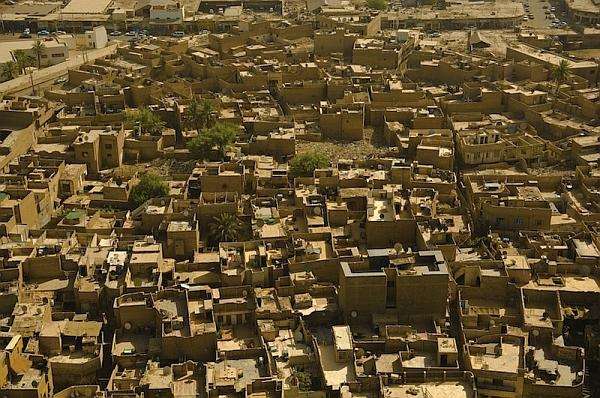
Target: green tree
(38, 49)
(150, 186)
(560, 73)
(9, 71)
(23, 60)
(377, 4)
(148, 121)
(225, 227)
(219, 137)
(199, 113)
(304, 165)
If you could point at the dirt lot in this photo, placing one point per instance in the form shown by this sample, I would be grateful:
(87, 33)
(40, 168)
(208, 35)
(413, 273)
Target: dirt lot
(338, 150)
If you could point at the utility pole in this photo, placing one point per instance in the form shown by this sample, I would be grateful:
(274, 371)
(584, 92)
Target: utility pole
(32, 84)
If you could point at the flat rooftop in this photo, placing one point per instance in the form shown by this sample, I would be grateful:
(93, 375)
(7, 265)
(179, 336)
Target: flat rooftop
(86, 7)
(8, 47)
(446, 389)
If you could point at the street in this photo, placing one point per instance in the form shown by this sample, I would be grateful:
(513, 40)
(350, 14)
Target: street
(536, 8)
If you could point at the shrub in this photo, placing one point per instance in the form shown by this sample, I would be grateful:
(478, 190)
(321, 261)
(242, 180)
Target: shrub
(218, 138)
(304, 165)
(150, 186)
(377, 4)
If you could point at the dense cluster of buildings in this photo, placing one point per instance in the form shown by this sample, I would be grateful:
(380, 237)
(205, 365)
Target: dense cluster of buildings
(460, 258)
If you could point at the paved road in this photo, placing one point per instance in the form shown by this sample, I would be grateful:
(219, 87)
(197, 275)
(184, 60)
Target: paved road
(55, 71)
(536, 8)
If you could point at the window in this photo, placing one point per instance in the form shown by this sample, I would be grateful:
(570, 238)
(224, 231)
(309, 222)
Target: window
(108, 146)
(499, 220)
(518, 221)
(57, 55)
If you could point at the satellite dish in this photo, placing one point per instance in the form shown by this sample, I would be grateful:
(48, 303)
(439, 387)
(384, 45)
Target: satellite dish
(318, 211)
(535, 332)
(353, 314)
(127, 326)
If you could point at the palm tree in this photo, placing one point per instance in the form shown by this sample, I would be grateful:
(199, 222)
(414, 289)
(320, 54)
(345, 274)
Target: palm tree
(22, 59)
(199, 113)
(226, 227)
(38, 49)
(9, 71)
(560, 73)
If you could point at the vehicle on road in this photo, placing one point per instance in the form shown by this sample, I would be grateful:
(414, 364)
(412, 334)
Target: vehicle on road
(130, 33)
(116, 33)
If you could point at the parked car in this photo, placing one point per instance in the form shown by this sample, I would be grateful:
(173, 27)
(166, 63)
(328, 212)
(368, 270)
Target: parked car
(43, 32)
(116, 33)
(130, 33)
